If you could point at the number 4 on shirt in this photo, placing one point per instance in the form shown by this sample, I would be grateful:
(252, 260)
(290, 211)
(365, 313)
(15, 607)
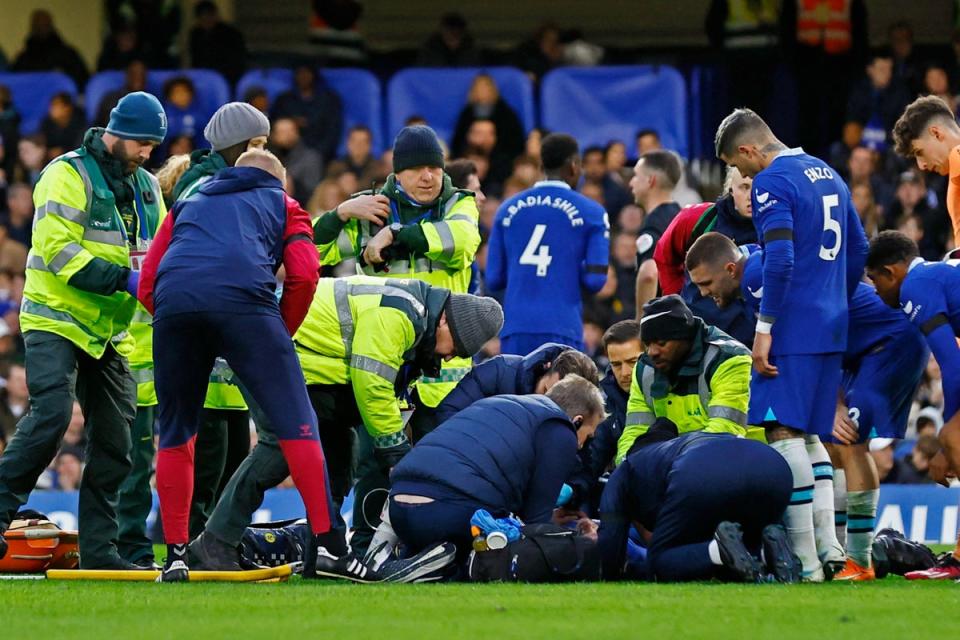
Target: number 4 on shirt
(537, 254)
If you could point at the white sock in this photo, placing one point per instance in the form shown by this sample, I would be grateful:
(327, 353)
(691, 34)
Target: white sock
(862, 514)
(840, 505)
(714, 549)
(798, 519)
(824, 523)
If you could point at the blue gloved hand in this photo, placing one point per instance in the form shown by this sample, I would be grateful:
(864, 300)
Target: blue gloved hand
(133, 281)
(566, 493)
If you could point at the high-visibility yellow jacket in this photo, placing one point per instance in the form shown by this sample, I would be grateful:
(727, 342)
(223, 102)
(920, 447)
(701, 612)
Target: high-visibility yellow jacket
(76, 223)
(439, 245)
(710, 392)
(374, 334)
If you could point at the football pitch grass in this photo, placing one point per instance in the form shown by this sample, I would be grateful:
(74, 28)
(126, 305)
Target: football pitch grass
(891, 608)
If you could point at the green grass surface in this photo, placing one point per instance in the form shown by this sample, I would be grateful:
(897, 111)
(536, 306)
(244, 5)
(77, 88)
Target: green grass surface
(892, 608)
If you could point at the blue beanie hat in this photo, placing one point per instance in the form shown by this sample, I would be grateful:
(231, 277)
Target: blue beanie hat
(416, 146)
(138, 116)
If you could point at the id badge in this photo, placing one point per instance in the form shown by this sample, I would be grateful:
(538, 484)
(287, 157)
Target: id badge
(138, 255)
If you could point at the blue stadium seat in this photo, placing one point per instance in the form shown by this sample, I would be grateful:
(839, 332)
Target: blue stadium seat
(212, 89)
(359, 90)
(32, 92)
(438, 95)
(599, 104)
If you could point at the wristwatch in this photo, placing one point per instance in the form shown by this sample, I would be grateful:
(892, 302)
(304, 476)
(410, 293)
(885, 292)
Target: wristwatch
(395, 229)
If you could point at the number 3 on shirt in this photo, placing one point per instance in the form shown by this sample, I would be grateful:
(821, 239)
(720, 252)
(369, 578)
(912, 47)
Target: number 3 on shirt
(829, 224)
(537, 254)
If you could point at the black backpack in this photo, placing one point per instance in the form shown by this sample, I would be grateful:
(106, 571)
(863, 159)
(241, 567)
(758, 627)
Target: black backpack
(545, 553)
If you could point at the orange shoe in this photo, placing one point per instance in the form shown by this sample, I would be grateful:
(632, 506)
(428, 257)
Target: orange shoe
(853, 572)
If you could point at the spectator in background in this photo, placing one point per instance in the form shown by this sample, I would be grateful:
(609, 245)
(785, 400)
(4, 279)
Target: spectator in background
(326, 197)
(135, 79)
(914, 468)
(359, 158)
(655, 177)
(259, 98)
(316, 109)
(451, 45)
(484, 102)
(9, 133)
(64, 125)
(69, 468)
(933, 224)
(906, 67)
(615, 155)
(840, 151)
(870, 214)
(180, 145)
(542, 52)
(929, 422)
(624, 264)
(614, 194)
(877, 100)
(31, 158)
(18, 217)
(531, 147)
(14, 400)
(121, 47)
(216, 45)
(185, 116)
(304, 165)
(937, 83)
(45, 50)
(483, 146)
(630, 219)
(526, 169)
(13, 255)
(862, 169)
(683, 193)
(75, 435)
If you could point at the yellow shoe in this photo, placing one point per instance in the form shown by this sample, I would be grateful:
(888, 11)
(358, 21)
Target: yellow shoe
(853, 572)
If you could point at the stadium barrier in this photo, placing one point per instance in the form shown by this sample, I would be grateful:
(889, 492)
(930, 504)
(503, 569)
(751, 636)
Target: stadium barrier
(927, 513)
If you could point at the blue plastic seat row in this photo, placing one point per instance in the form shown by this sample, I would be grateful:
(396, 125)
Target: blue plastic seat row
(594, 104)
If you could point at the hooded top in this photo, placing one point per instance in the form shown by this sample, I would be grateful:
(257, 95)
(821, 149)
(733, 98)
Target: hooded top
(227, 244)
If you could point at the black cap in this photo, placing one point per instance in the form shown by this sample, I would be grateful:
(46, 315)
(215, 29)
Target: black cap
(667, 318)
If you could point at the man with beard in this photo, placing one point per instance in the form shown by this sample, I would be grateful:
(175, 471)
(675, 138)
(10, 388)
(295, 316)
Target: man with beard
(93, 206)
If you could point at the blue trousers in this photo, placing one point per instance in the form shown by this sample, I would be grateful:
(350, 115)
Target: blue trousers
(421, 525)
(708, 485)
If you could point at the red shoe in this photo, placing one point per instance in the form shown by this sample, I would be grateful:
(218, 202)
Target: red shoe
(947, 568)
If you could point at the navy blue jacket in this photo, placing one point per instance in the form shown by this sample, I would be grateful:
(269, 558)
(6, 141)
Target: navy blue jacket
(227, 244)
(508, 454)
(600, 451)
(637, 488)
(505, 374)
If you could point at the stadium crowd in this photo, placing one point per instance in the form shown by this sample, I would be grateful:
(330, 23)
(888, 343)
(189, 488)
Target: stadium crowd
(640, 195)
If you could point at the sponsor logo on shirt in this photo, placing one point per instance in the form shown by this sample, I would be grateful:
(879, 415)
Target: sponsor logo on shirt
(758, 294)
(762, 197)
(911, 310)
(644, 243)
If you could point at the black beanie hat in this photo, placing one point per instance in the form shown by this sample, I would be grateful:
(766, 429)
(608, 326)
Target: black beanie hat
(416, 146)
(667, 318)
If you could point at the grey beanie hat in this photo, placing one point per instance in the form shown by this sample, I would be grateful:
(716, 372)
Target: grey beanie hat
(233, 123)
(473, 321)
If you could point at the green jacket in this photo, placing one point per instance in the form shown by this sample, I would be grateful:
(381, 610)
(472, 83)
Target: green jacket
(78, 267)
(437, 245)
(710, 392)
(372, 333)
(222, 391)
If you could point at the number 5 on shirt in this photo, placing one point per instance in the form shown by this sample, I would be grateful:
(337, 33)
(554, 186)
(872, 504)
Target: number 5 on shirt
(536, 254)
(829, 224)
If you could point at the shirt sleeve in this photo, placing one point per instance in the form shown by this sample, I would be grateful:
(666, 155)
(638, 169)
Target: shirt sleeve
(639, 416)
(729, 396)
(301, 264)
(151, 262)
(555, 458)
(857, 247)
(593, 272)
(924, 302)
(773, 216)
(671, 250)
